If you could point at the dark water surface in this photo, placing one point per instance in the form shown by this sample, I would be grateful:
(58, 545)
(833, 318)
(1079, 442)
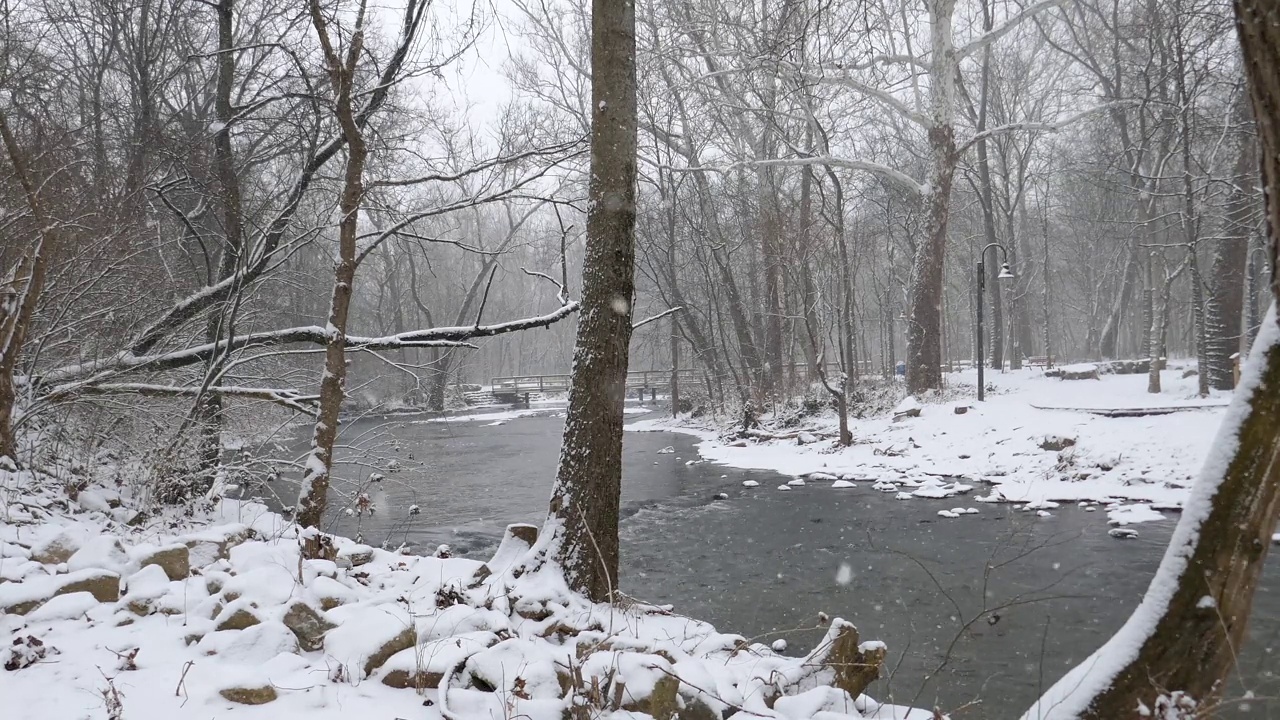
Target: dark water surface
(979, 612)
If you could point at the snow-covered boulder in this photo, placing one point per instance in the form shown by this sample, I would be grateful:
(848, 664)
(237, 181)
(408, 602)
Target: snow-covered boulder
(424, 666)
(1056, 443)
(251, 646)
(367, 636)
(104, 554)
(239, 615)
(143, 588)
(57, 549)
(307, 624)
(20, 598)
(175, 560)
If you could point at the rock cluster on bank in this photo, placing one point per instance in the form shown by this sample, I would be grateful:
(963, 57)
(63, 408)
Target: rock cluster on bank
(233, 616)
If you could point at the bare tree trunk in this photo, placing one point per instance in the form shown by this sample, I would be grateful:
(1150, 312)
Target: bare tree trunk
(848, 348)
(924, 321)
(809, 293)
(1198, 323)
(1120, 307)
(675, 367)
(584, 503)
(771, 255)
(221, 324)
(1187, 632)
(1225, 309)
(20, 292)
(996, 358)
(319, 467)
(1048, 334)
(1253, 295)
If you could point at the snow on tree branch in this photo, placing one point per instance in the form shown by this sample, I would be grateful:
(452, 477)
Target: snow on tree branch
(1005, 28)
(286, 397)
(457, 336)
(1035, 126)
(896, 176)
(884, 98)
(657, 317)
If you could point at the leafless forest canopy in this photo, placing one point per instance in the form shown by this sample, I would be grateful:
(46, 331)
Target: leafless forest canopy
(816, 179)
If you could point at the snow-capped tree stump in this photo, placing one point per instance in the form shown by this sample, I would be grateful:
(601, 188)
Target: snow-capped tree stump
(856, 665)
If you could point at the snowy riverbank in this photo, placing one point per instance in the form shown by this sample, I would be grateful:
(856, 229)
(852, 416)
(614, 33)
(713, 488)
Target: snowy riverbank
(106, 613)
(1036, 440)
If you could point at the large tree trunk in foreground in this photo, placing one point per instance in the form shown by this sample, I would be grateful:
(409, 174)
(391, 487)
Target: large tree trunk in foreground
(584, 503)
(1187, 632)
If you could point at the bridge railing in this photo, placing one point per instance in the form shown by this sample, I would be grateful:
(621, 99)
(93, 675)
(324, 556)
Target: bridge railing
(555, 383)
(655, 379)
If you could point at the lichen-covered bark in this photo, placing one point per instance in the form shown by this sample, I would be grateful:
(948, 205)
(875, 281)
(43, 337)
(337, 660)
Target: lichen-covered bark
(584, 502)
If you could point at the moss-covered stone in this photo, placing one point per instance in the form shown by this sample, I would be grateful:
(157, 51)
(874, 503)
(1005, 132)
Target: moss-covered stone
(175, 560)
(250, 694)
(237, 619)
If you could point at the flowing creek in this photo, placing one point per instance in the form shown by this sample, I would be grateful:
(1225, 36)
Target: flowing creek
(764, 563)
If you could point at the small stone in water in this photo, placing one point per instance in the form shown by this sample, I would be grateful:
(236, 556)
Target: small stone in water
(779, 645)
(722, 496)
(748, 483)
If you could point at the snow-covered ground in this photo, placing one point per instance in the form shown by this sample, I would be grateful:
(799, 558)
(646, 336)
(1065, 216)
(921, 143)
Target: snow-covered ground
(105, 613)
(1032, 441)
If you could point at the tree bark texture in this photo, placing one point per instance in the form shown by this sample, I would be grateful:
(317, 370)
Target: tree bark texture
(924, 320)
(1224, 315)
(585, 500)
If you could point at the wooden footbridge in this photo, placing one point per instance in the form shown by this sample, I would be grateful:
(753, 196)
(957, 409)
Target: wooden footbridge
(640, 383)
(518, 388)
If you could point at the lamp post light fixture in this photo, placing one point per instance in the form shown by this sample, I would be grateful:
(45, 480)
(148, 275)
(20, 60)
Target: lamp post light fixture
(1006, 273)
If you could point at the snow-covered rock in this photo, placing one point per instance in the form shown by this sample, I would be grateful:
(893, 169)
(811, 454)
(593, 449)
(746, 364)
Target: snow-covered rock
(1133, 514)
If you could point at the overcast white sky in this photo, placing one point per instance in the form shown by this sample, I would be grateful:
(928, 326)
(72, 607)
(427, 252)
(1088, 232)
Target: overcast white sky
(477, 81)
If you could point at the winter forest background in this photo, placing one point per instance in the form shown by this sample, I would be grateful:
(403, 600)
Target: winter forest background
(254, 248)
(1107, 145)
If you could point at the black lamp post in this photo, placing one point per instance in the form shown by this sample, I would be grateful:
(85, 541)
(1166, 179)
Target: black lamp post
(1005, 274)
